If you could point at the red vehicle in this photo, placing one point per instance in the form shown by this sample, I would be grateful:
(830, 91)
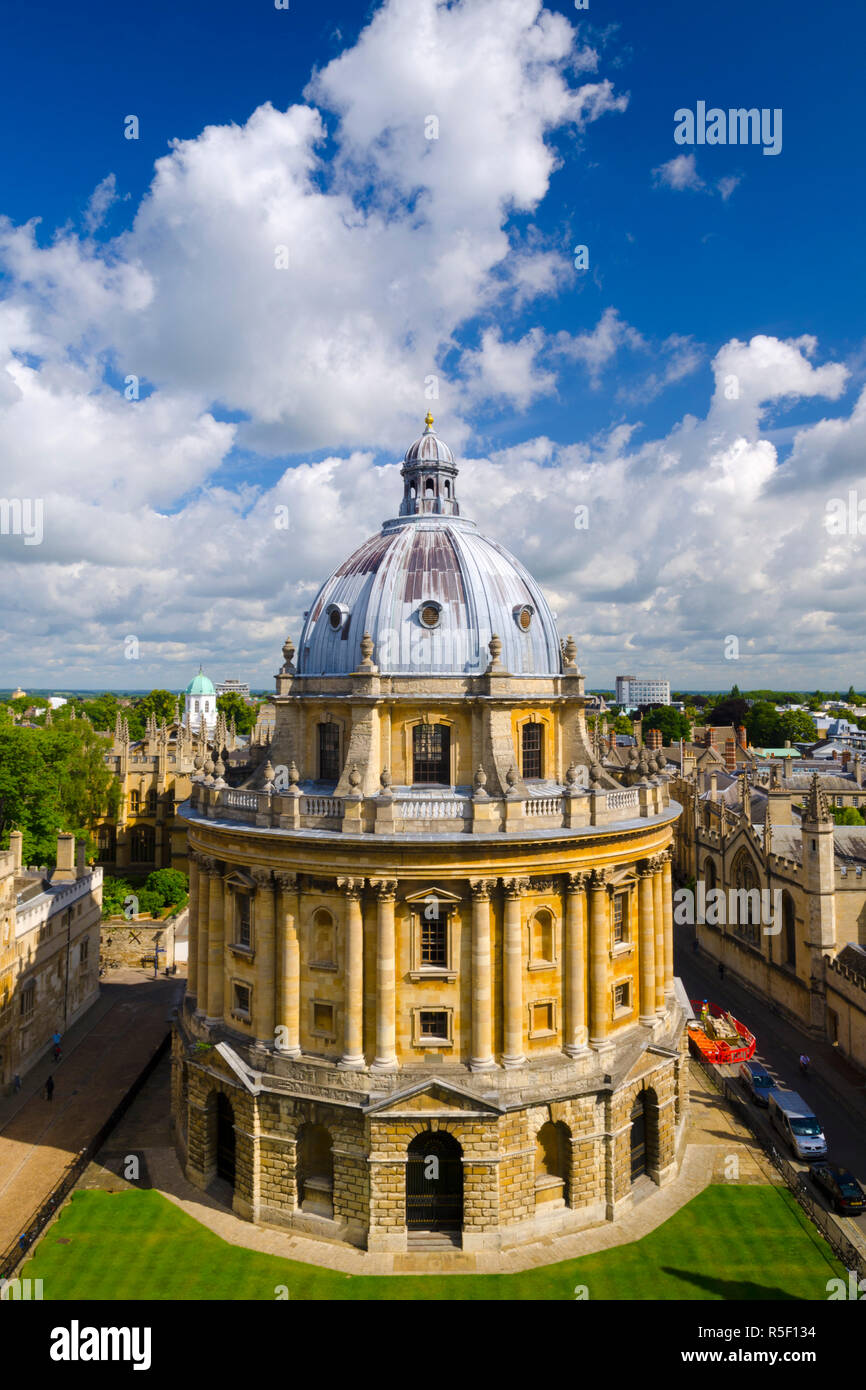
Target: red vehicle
(716, 1036)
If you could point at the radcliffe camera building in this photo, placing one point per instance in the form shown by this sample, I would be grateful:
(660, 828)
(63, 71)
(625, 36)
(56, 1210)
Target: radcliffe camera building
(431, 977)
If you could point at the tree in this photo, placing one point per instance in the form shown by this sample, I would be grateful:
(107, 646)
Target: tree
(729, 711)
(622, 725)
(53, 779)
(735, 692)
(798, 726)
(846, 815)
(764, 725)
(159, 703)
(234, 704)
(671, 722)
(170, 884)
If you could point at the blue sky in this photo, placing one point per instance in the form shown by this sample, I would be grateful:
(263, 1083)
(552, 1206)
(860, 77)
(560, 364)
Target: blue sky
(595, 385)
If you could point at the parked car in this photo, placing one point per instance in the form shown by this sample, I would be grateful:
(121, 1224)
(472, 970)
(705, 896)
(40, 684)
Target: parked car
(794, 1118)
(757, 1081)
(845, 1194)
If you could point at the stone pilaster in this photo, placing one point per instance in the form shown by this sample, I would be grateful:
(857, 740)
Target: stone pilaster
(386, 966)
(215, 941)
(512, 974)
(646, 943)
(192, 949)
(288, 1024)
(353, 1056)
(203, 915)
(482, 989)
(264, 993)
(576, 1036)
(599, 956)
(659, 932)
(668, 912)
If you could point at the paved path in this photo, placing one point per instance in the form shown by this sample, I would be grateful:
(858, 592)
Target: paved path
(102, 1055)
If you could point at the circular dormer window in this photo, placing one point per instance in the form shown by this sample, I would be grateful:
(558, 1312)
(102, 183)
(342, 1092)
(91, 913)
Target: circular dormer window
(336, 616)
(430, 614)
(523, 617)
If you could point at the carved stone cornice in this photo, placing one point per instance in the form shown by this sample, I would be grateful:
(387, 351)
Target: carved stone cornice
(288, 882)
(598, 879)
(262, 878)
(352, 887)
(543, 885)
(212, 867)
(577, 883)
(644, 869)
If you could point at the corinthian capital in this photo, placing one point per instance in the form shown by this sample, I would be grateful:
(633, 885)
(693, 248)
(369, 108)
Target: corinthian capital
(384, 888)
(352, 887)
(515, 887)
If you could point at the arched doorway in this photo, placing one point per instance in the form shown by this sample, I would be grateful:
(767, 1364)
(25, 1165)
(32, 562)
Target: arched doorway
(552, 1163)
(315, 1171)
(638, 1137)
(434, 1183)
(225, 1139)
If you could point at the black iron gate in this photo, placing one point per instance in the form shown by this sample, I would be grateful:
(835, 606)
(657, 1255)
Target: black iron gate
(434, 1183)
(225, 1145)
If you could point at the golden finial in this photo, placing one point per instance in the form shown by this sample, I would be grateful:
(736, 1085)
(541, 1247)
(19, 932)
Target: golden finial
(428, 420)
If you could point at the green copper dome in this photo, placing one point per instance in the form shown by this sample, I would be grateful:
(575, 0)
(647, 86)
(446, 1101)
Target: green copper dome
(200, 685)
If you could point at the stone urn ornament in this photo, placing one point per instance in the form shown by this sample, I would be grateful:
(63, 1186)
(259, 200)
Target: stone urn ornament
(354, 777)
(385, 779)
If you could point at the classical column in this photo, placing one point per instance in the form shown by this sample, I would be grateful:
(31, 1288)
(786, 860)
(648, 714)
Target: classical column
(353, 1037)
(264, 992)
(646, 934)
(512, 974)
(482, 991)
(192, 933)
(599, 959)
(288, 1026)
(659, 932)
(203, 915)
(668, 911)
(386, 967)
(216, 941)
(574, 974)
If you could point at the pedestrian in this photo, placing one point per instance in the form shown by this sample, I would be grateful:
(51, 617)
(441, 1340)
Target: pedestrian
(56, 1051)
(22, 1241)
(16, 1082)
(49, 1088)
(721, 970)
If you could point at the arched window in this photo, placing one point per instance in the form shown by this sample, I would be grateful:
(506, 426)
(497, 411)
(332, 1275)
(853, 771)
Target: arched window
(532, 763)
(541, 937)
(315, 1170)
(789, 924)
(107, 841)
(329, 752)
(434, 1182)
(709, 875)
(431, 754)
(196, 706)
(151, 802)
(429, 487)
(447, 488)
(552, 1163)
(323, 946)
(746, 913)
(142, 845)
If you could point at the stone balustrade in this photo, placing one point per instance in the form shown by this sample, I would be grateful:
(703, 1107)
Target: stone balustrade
(406, 813)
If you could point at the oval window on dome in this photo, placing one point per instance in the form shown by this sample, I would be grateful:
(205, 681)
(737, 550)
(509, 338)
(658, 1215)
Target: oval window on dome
(523, 617)
(336, 616)
(431, 614)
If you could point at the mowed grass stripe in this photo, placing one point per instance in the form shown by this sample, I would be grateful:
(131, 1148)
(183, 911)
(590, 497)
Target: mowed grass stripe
(727, 1243)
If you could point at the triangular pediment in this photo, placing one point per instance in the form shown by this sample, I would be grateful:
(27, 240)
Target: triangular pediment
(238, 879)
(438, 894)
(433, 1096)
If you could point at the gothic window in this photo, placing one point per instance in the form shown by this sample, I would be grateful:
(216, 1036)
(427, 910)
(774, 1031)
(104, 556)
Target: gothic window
(746, 915)
(431, 754)
(28, 1001)
(142, 844)
(532, 760)
(134, 801)
(329, 752)
(151, 802)
(789, 922)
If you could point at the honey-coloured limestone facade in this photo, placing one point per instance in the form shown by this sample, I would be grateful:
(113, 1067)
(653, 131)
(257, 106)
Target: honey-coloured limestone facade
(431, 979)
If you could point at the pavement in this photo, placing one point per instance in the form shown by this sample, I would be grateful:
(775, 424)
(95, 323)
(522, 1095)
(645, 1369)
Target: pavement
(834, 1087)
(102, 1054)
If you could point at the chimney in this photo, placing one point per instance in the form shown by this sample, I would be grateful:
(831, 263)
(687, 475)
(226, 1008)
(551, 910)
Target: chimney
(65, 871)
(741, 735)
(730, 755)
(16, 842)
(654, 738)
(80, 861)
(714, 785)
(774, 774)
(845, 756)
(637, 730)
(858, 770)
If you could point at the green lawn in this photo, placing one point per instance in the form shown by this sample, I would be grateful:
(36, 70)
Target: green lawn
(729, 1242)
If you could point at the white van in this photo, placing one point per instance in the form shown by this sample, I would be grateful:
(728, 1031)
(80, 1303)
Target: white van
(794, 1119)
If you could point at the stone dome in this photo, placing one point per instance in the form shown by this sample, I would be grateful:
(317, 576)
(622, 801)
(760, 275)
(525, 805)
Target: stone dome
(431, 591)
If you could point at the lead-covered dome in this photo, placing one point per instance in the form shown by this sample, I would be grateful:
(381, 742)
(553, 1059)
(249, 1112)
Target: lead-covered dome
(430, 590)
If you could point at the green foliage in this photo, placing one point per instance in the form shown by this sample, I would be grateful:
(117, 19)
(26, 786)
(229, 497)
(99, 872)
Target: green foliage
(622, 725)
(729, 711)
(114, 893)
(159, 703)
(150, 902)
(244, 714)
(53, 779)
(102, 711)
(671, 722)
(846, 815)
(171, 885)
(798, 726)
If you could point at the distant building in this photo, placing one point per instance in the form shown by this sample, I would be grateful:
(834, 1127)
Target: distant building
(233, 687)
(199, 703)
(642, 690)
